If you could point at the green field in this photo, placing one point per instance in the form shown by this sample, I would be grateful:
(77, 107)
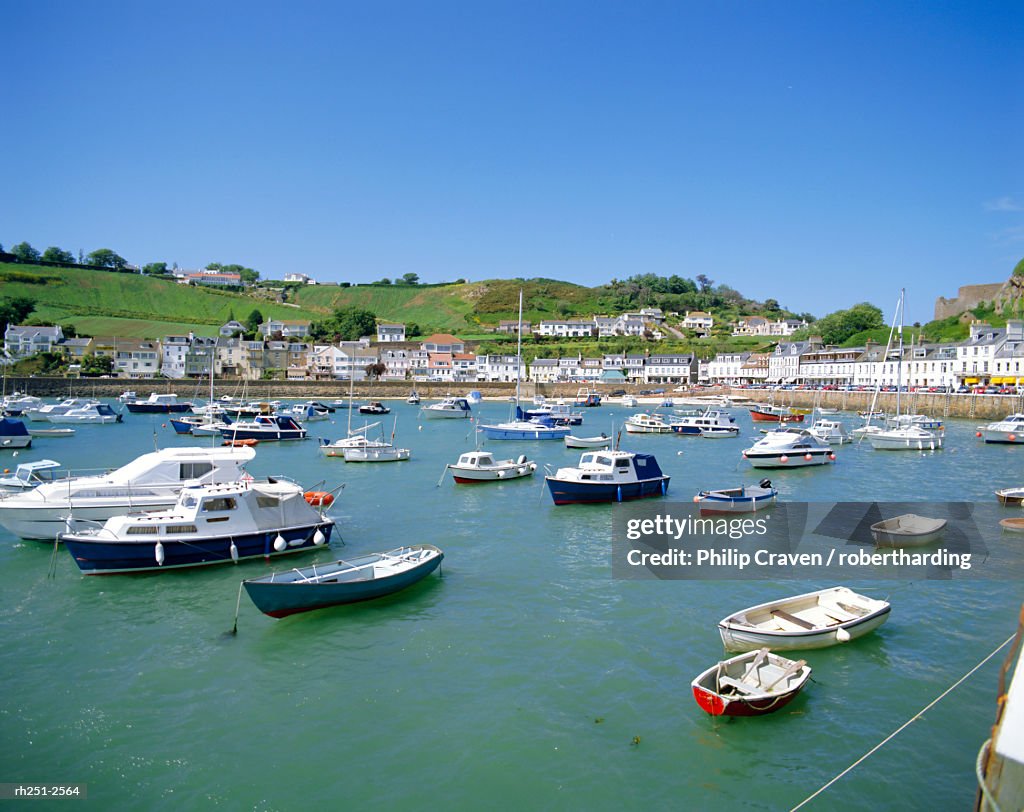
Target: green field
(80, 297)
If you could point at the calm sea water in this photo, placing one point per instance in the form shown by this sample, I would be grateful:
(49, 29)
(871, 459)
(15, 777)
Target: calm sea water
(518, 679)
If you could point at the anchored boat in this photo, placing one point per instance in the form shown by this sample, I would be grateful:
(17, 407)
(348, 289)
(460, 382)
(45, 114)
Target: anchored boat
(608, 476)
(750, 684)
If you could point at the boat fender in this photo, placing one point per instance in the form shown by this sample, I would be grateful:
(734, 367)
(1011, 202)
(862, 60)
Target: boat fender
(279, 543)
(808, 456)
(697, 498)
(234, 551)
(522, 457)
(832, 456)
(744, 455)
(159, 553)
(618, 493)
(765, 483)
(1012, 438)
(501, 474)
(842, 635)
(319, 538)
(783, 458)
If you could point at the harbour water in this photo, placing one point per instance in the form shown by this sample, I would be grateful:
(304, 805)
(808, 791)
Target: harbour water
(525, 676)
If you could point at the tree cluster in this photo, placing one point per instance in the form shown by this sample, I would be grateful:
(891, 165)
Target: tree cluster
(835, 328)
(345, 324)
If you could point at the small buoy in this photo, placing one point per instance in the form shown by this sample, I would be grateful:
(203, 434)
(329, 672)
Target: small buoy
(680, 453)
(808, 456)
(744, 455)
(163, 425)
(977, 434)
(421, 428)
(234, 552)
(159, 552)
(1012, 438)
(842, 636)
(319, 538)
(7, 470)
(832, 455)
(783, 458)
(280, 543)
(696, 499)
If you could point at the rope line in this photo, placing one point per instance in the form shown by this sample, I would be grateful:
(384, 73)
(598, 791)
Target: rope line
(905, 725)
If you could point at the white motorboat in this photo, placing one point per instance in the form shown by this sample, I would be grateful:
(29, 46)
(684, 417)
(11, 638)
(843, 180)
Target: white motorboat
(630, 402)
(480, 466)
(648, 423)
(830, 431)
(602, 441)
(908, 530)
(447, 408)
(208, 524)
(710, 419)
(922, 421)
(376, 453)
(307, 411)
(92, 413)
(719, 433)
(43, 413)
(905, 438)
(30, 474)
(1010, 496)
(414, 398)
(1008, 430)
(788, 448)
(149, 482)
(812, 620)
(17, 403)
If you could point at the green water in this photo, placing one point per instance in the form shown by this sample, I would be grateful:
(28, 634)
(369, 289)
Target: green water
(520, 678)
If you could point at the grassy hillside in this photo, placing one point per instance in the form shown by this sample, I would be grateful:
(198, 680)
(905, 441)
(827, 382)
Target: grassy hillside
(144, 306)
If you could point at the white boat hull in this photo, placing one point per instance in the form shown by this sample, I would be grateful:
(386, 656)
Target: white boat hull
(748, 640)
(44, 523)
(443, 414)
(368, 454)
(886, 441)
(471, 474)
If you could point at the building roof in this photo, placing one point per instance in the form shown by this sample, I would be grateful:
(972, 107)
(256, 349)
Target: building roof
(443, 338)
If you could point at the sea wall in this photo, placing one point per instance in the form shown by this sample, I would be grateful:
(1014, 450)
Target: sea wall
(968, 406)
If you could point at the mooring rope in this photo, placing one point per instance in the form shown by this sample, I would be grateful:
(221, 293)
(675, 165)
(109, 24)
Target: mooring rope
(905, 725)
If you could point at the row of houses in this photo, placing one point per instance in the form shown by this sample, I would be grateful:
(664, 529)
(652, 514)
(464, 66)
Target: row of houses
(988, 356)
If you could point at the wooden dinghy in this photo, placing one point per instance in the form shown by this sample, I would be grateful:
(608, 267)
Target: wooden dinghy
(1013, 525)
(812, 620)
(908, 530)
(587, 442)
(751, 684)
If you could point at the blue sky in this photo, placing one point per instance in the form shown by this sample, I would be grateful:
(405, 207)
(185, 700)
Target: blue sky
(818, 153)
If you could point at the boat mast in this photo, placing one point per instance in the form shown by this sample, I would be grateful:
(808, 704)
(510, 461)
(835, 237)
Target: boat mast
(519, 347)
(899, 359)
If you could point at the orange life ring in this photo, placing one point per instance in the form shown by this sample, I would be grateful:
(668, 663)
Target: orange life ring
(319, 498)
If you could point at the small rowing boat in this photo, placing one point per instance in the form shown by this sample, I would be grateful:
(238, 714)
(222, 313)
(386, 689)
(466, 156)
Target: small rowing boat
(750, 684)
(908, 530)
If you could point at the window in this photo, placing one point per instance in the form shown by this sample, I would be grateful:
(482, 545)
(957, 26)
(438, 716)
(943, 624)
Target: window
(181, 528)
(218, 503)
(194, 470)
(143, 530)
(264, 501)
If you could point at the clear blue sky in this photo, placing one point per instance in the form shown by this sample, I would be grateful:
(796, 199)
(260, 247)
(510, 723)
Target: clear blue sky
(820, 153)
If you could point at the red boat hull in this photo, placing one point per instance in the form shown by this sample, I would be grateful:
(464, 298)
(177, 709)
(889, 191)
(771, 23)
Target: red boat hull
(718, 705)
(767, 417)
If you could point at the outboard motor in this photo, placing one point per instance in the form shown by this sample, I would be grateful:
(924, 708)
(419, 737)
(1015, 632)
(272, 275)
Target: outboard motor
(765, 483)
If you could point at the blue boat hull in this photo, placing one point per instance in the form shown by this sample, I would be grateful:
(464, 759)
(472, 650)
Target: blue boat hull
(254, 434)
(157, 408)
(180, 427)
(99, 557)
(574, 493)
(283, 598)
(493, 433)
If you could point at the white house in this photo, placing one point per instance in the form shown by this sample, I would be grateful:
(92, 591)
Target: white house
(497, 368)
(565, 329)
(136, 359)
(286, 328)
(698, 321)
(398, 363)
(299, 277)
(390, 332)
(670, 369)
(544, 370)
(21, 341)
(784, 363)
(727, 367)
(174, 349)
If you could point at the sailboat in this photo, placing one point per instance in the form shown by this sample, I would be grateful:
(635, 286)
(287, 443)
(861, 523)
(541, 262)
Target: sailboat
(904, 435)
(519, 427)
(356, 446)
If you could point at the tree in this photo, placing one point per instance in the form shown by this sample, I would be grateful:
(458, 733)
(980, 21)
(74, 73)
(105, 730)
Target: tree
(384, 281)
(413, 329)
(353, 322)
(836, 327)
(771, 306)
(97, 364)
(1017, 271)
(409, 279)
(69, 331)
(705, 283)
(375, 370)
(253, 321)
(55, 254)
(155, 268)
(105, 258)
(25, 252)
(15, 309)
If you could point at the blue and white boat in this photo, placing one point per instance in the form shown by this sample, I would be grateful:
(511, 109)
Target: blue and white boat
(90, 413)
(30, 474)
(537, 428)
(608, 476)
(711, 419)
(360, 578)
(14, 434)
(264, 427)
(559, 413)
(449, 407)
(209, 524)
(744, 499)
